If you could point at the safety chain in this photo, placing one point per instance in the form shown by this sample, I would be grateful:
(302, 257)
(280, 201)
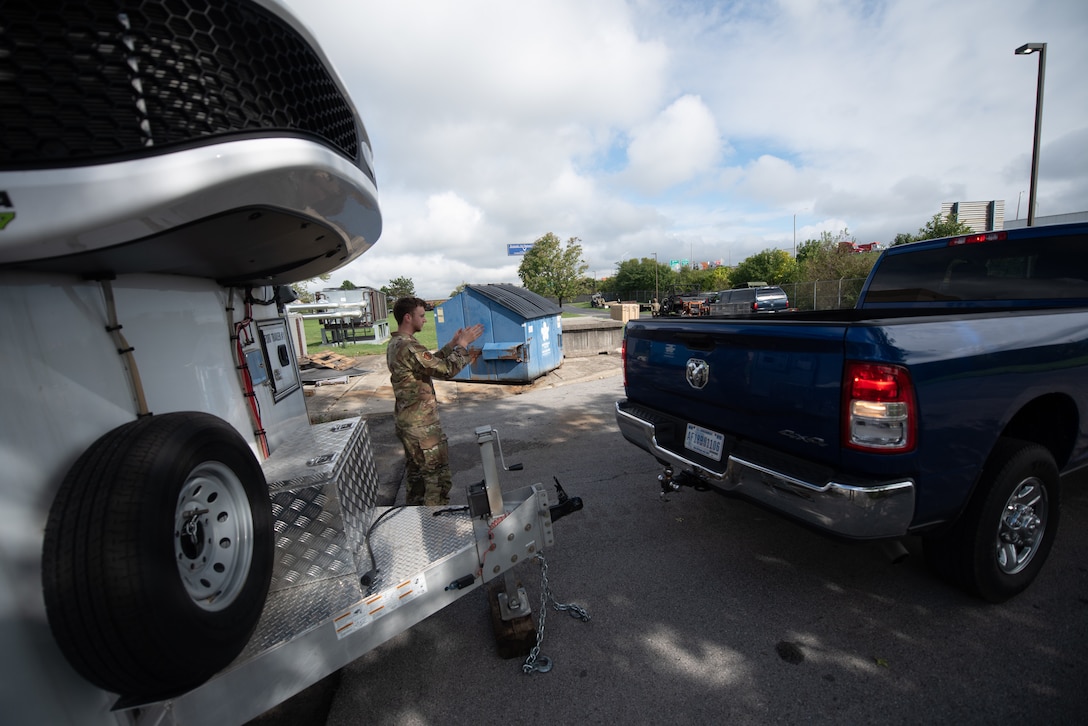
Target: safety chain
(537, 663)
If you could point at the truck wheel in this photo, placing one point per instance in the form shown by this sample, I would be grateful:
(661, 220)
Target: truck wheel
(158, 555)
(1009, 527)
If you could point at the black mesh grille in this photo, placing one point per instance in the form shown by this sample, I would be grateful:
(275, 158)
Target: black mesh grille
(87, 80)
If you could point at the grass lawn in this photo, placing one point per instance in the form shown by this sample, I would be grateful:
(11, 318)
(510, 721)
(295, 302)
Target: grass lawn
(428, 337)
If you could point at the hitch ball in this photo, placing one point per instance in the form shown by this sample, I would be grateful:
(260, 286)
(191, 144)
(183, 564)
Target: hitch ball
(668, 483)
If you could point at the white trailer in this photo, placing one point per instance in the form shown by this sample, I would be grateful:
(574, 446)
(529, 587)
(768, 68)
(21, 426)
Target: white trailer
(179, 544)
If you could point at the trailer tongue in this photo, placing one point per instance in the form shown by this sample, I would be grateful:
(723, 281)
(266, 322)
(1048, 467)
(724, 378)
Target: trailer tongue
(349, 576)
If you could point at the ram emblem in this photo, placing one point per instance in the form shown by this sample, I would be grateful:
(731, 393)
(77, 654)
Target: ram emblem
(698, 372)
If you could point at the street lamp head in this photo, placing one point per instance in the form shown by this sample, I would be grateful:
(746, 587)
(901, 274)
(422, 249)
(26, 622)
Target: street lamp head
(1029, 48)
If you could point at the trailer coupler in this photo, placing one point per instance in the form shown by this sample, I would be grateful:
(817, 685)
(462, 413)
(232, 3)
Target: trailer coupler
(566, 505)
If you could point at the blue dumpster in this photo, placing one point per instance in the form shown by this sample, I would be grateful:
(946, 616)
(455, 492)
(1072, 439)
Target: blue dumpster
(523, 332)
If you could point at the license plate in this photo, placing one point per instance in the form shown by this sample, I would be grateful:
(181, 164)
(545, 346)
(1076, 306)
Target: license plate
(704, 441)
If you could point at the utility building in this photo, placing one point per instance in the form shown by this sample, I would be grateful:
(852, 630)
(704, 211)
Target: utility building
(979, 216)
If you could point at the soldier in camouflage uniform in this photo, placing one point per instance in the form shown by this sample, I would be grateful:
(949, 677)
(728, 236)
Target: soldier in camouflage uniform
(411, 370)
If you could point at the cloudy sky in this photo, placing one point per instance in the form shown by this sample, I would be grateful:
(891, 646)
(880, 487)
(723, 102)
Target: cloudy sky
(695, 129)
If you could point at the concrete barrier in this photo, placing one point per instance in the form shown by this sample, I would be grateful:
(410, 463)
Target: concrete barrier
(591, 336)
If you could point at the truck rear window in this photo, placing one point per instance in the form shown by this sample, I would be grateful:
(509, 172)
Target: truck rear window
(1006, 270)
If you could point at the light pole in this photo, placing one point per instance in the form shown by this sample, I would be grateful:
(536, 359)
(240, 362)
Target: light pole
(1028, 49)
(1018, 203)
(795, 231)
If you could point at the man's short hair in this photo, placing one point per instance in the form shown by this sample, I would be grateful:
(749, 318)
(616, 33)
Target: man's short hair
(407, 306)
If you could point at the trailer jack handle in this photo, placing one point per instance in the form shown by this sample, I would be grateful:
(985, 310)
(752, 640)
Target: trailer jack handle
(566, 505)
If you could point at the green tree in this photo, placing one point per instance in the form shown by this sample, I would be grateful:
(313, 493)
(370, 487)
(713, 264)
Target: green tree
(459, 289)
(807, 249)
(938, 226)
(717, 278)
(645, 274)
(843, 240)
(348, 285)
(832, 257)
(551, 270)
(698, 280)
(399, 287)
(771, 266)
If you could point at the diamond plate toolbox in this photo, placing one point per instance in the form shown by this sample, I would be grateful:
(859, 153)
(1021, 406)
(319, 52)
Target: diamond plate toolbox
(323, 485)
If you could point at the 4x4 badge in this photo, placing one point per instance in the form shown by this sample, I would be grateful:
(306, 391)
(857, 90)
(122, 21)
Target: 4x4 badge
(698, 372)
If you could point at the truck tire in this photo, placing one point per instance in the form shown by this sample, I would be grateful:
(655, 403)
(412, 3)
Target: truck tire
(158, 555)
(1005, 535)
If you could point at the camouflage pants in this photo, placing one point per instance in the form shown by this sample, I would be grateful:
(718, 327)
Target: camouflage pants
(428, 466)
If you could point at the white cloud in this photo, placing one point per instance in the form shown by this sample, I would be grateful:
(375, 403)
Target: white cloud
(677, 145)
(775, 181)
(648, 125)
(450, 219)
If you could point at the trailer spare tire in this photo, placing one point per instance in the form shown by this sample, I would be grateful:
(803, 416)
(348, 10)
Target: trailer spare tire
(158, 555)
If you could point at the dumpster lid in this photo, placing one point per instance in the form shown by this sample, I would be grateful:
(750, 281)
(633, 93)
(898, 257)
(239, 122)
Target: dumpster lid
(524, 302)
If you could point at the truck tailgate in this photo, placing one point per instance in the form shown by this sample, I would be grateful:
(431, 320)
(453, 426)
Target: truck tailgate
(743, 379)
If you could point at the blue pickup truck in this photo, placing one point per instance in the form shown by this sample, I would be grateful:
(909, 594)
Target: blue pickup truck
(948, 403)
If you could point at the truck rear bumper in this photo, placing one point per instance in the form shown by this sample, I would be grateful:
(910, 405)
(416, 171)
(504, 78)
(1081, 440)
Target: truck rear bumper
(835, 504)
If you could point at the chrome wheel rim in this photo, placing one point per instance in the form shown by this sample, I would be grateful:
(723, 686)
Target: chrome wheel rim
(1023, 522)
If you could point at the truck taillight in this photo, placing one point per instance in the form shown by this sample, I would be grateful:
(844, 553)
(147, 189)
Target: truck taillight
(755, 307)
(879, 412)
(974, 239)
(623, 360)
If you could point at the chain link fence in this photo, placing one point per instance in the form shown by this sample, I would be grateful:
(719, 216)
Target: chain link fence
(824, 294)
(811, 295)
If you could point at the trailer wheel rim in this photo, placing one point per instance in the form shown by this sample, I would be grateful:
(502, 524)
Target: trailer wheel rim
(1023, 523)
(213, 536)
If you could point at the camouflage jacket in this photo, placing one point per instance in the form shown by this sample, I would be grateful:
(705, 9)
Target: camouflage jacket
(411, 370)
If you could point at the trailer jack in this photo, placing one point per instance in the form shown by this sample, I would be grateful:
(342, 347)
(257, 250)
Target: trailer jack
(511, 611)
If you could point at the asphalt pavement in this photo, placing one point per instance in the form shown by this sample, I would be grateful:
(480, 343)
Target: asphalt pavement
(706, 609)
(363, 389)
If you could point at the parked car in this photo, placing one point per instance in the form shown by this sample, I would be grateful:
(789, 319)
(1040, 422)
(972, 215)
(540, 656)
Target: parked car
(763, 299)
